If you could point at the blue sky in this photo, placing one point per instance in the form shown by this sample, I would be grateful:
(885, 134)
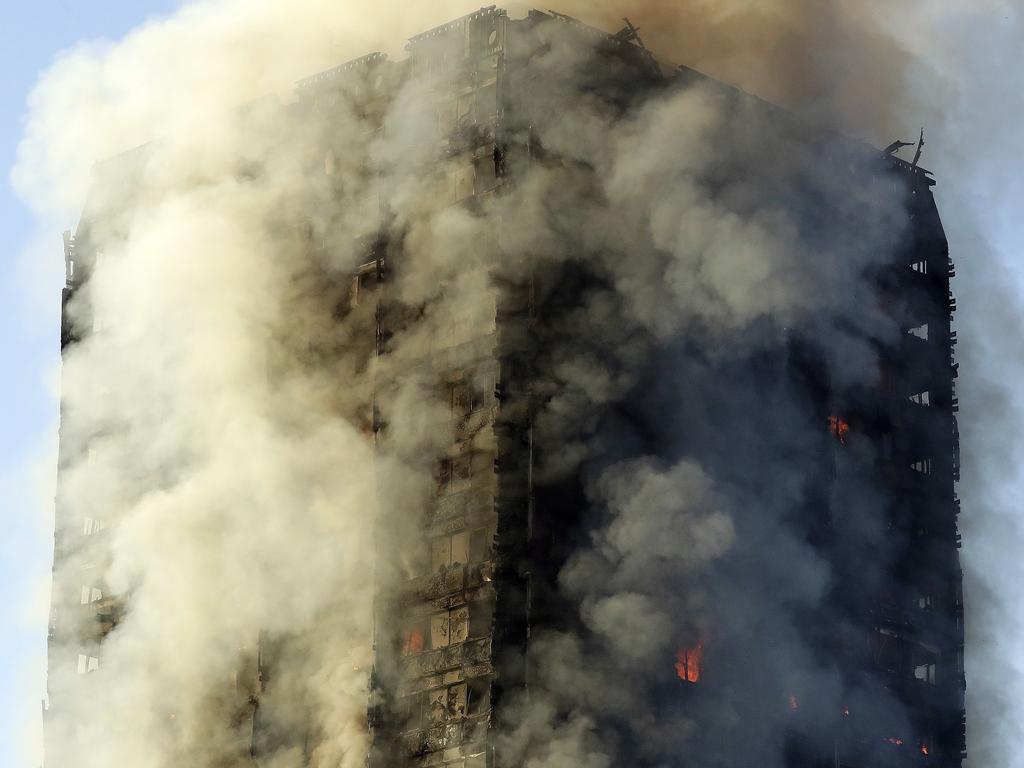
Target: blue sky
(31, 35)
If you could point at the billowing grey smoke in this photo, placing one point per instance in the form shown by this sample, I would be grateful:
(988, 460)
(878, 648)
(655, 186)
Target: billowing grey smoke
(695, 284)
(218, 426)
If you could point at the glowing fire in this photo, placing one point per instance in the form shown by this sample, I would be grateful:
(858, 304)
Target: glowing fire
(924, 749)
(839, 427)
(688, 663)
(793, 703)
(412, 642)
(846, 711)
(896, 741)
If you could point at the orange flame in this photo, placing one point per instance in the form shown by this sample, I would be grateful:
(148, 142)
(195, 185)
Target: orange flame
(688, 663)
(924, 749)
(412, 642)
(839, 427)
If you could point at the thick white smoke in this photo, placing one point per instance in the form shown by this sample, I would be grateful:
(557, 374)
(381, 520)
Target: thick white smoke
(236, 494)
(223, 434)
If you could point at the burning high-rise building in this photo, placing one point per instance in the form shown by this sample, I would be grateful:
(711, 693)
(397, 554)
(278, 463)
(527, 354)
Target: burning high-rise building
(605, 414)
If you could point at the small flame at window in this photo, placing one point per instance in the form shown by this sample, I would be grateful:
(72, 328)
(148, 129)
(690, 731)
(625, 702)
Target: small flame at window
(688, 662)
(839, 427)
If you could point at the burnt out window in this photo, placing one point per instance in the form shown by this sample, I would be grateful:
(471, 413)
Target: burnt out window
(923, 466)
(462, 474)
(449, 627)
(460, 549)
(454, 475)
(885, 647)
(925, 672)
(409, 712)
(445, 704)
(921, 398)
(487, 170)
(481, 619)
(450, 551)
(444, 477)
(478, 697)
(487, 103)
(465, 399)
(480, 545)
(464, 179)
(925, 658)
(364, 281)
(920, 267)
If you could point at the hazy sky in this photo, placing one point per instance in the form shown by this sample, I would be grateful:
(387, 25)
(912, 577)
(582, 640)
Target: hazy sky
(31, 35)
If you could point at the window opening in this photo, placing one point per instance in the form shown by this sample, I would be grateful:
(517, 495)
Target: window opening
(688, 663)
(479, 545)
(91, 525)
(840, 428)
(921, 398)
(465, 400)
(925, 672)
(481, 619)
(478, 696)
(446, 704)
(454, 475)
(413, 638)
(885, 650)
(449, 628)
(450, 551)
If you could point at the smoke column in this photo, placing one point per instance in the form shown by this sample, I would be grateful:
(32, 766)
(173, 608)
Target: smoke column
(238, 454)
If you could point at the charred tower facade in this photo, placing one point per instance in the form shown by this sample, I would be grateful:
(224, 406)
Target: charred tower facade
(837, 438)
